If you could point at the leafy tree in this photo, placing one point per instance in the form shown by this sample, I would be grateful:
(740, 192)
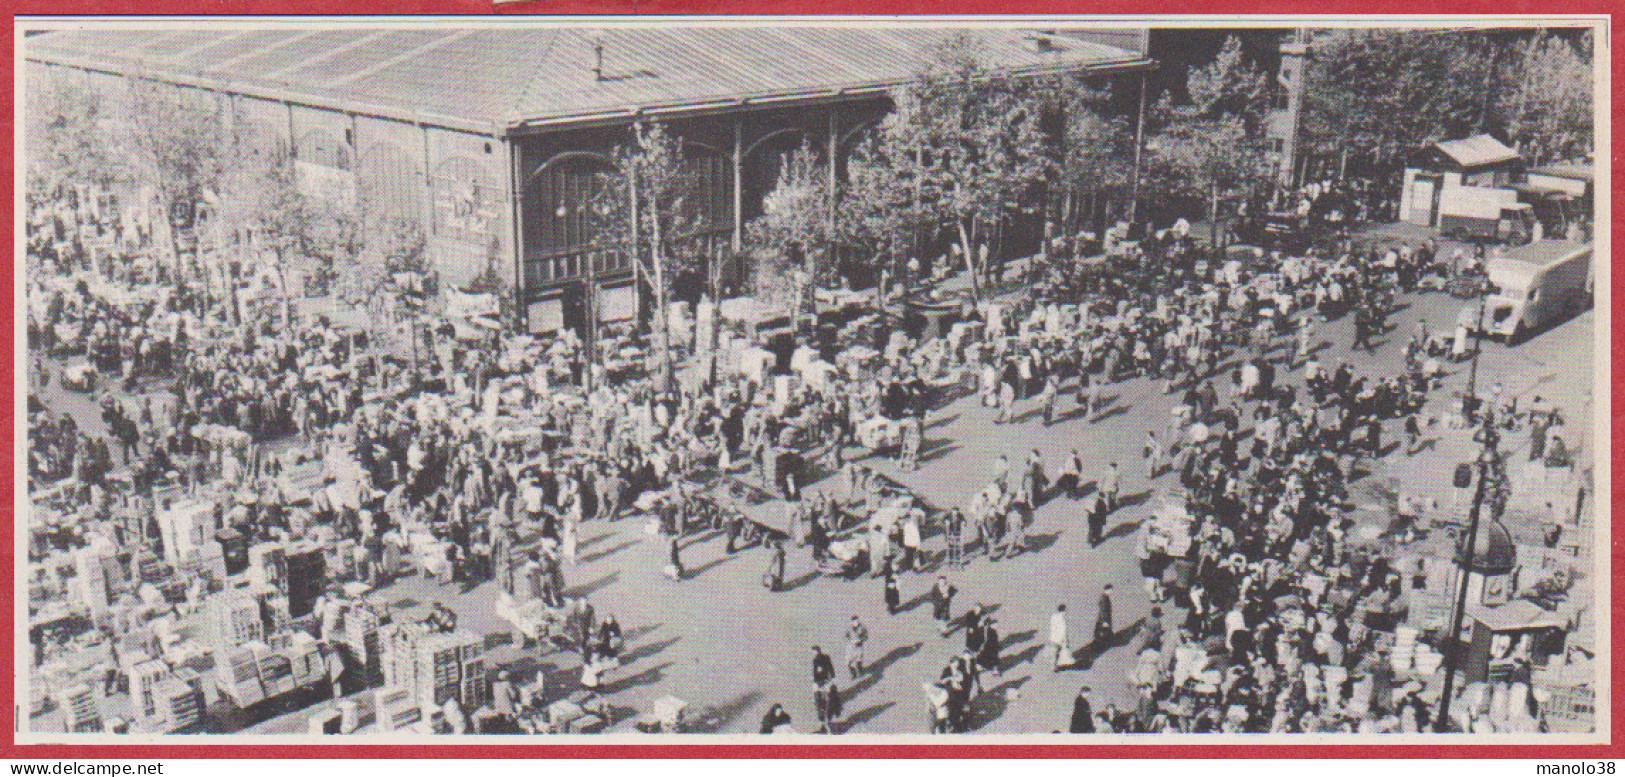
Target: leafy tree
(972, 136)
(640, 209)
(183, 141)
(880, 206)
(1545, 98)
(1212, 147)
(1381, 94)
(792, 239)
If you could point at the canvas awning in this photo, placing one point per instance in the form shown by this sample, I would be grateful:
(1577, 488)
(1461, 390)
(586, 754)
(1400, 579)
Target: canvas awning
(1477, 151)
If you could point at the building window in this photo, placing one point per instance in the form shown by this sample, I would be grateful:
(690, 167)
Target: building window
(1277, 145)
(389, 183)
(559, 205)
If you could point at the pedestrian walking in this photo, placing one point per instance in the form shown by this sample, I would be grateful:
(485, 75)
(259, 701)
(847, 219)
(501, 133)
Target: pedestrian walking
(942, 599)
(1095, 512)
(1103, 619)
(1155, 455)
(1083, 714)
(856, 637)
(827, 699)
(987, 656)
(674, 558)
(823, 667)
(953, 527)
(774, 719)
(1007, 399)
(773, 580)
(1070, 479)
(1047, 398)
(1058, 639)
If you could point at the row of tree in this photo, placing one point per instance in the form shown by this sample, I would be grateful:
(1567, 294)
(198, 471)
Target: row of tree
(187, 153)
(966, 149)
(1377, 95)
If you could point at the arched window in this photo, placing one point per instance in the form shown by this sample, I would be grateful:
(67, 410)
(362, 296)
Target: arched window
(389, 182)
(709, 204)
(558, 200)
(561, 236)
(763, 163)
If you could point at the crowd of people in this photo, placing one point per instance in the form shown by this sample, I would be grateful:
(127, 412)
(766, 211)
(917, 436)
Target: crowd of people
(484, 458)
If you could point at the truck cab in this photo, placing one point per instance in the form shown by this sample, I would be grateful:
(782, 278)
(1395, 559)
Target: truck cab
(1543, 287)
(1512, 224)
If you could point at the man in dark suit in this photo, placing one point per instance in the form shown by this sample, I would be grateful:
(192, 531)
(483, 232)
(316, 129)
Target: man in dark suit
(1083, 715)
(1103, 619)
(823, 667)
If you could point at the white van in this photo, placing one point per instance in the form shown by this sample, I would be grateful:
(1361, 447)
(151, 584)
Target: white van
(1546, 284)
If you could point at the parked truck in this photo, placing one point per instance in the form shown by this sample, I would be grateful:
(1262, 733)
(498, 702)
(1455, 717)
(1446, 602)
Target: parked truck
(1485, 214)
(1542, 285)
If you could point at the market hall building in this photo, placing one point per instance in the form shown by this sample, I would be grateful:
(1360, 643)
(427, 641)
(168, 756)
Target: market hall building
(493, 139)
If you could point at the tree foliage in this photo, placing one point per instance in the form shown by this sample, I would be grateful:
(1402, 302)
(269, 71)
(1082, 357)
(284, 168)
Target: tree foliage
(641, 209)
(1097, 150)
(792, 241)
(967, 139)
(1212, 147)
(184, 142)
(1545, 98)
(1381, 94)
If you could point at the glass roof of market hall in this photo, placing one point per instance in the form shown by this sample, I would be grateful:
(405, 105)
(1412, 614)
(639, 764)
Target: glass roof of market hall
(495, 78)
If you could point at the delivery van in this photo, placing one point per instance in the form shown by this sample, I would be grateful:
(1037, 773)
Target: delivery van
(1484, 214)
(1546, 285)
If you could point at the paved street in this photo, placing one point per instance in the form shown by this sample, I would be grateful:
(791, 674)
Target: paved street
(731, 648)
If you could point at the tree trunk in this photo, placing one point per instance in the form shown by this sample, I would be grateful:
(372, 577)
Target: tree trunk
(966, 244)
(662, 311)
(1215, 237)
(713, 318)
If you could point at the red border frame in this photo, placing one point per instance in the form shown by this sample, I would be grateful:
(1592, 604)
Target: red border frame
(543, 749)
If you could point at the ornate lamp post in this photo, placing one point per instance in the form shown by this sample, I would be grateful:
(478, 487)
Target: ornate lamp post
(1491, 554)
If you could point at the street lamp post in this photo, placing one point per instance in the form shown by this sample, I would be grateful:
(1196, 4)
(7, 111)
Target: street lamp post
(1452, 646)
(1498, 556)
(1478, 347)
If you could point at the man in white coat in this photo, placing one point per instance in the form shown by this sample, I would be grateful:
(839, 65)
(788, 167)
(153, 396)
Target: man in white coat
(1058, 638)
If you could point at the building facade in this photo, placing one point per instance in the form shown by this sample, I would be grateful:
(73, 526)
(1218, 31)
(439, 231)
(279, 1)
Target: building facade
(492, 140)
